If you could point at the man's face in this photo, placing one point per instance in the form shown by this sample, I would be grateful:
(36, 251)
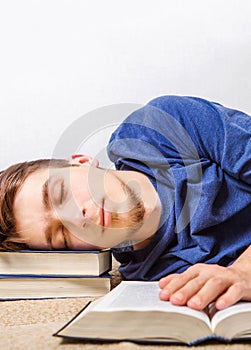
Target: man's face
(79, 207)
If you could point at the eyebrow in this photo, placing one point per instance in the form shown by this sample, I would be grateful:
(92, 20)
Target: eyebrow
(47, 207)
(45, 195)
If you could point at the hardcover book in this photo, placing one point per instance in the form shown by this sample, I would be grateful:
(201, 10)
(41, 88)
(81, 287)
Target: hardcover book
(51, 262)
(43, 287)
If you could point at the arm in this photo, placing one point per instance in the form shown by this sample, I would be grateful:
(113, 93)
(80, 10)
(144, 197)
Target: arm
(202, 284)
(220, 134)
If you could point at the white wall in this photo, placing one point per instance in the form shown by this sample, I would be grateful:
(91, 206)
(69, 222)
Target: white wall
(60, 59)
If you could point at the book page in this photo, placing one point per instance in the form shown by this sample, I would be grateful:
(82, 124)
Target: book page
(232, 310)
(142, 296)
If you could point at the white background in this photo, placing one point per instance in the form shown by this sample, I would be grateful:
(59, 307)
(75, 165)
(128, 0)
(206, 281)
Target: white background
(61, 59)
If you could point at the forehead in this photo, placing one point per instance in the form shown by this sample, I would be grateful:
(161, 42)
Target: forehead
(28, 206)
(31, 188)
(33, 184)
(29, 196)
(28, 202)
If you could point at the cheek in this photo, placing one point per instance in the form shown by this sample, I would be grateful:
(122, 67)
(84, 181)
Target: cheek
(83, 197)
(78, 244)
(91, 237)
(77, 197)
(79, 189)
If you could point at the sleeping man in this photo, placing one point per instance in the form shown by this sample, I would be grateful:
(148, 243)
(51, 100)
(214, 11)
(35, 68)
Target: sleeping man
(176, 208)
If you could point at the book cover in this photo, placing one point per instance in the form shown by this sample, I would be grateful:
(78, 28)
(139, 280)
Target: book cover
(92, 263)
(14, 287)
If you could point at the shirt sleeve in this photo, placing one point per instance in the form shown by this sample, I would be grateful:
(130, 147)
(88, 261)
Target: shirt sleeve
(221, 135)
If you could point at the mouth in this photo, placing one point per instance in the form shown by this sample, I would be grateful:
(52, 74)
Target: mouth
(105, 216)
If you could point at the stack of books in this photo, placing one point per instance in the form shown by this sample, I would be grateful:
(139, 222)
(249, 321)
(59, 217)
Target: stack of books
(28, 274)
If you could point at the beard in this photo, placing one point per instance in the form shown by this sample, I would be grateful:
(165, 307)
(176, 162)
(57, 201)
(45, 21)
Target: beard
(132, 220)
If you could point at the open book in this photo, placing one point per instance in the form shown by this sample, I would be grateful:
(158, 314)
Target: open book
(132, 311)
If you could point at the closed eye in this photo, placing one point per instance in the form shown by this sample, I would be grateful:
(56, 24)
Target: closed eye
(62, 192)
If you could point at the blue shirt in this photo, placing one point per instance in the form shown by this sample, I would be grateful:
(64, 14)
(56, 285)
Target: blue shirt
(197, 154)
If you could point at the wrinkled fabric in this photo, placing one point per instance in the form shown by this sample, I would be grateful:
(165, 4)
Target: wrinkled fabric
(197, 154)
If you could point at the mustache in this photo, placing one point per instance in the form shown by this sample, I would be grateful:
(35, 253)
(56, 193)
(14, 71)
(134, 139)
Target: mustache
(134, 217)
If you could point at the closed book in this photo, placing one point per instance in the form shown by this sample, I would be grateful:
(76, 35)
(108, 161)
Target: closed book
(14, 287)
(133, 312)
(51, 262)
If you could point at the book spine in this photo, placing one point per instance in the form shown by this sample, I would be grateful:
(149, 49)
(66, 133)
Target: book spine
(209, 337)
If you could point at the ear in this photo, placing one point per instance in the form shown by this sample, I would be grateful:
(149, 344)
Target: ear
(82, 159)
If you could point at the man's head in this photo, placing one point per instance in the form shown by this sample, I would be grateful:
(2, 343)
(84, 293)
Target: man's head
(11, 180)
(51, 204)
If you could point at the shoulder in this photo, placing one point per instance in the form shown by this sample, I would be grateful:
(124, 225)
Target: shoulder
(172, 102)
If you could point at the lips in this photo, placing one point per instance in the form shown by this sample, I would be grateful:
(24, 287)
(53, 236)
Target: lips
(102, 214)
(105, 216)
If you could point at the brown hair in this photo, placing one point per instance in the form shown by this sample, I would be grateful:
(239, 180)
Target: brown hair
(11, 181)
